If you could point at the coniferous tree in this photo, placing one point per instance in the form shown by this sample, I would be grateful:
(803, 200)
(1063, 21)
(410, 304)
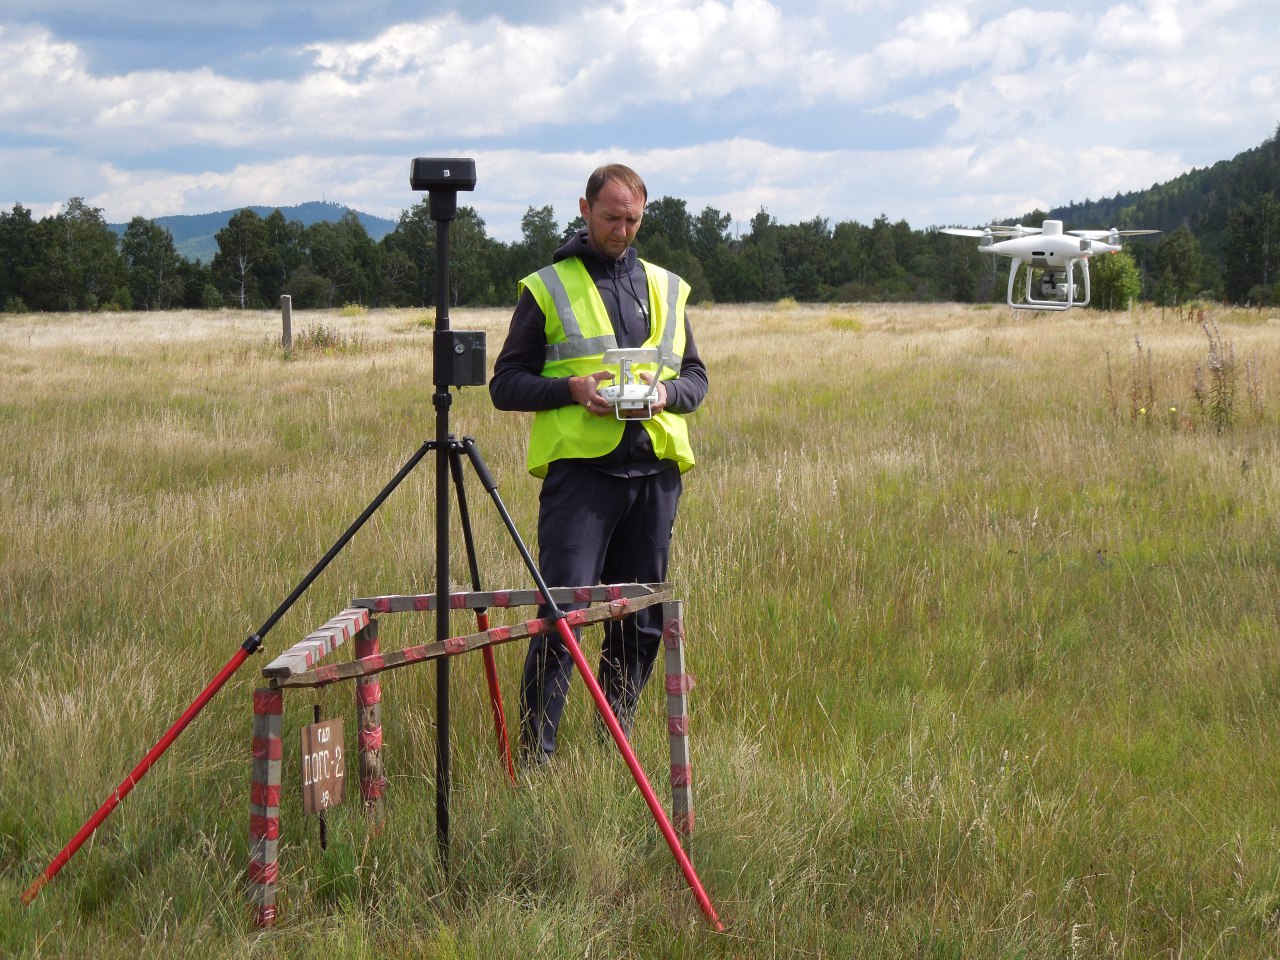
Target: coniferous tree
(282, 256)
(709, 233)
(667, 219)
(342, 261)
(765, 279)
(470, 258)
(1179, 265)
(539, 238)
(1251, 262)
(411, 251)
(805, 253)
(572, 227)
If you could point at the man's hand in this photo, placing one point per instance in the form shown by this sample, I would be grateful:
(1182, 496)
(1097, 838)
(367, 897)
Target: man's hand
(659, 401)
(585, 391)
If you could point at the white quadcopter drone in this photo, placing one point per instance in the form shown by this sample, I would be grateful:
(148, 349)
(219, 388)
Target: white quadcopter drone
(1053, 253)
(632, 398)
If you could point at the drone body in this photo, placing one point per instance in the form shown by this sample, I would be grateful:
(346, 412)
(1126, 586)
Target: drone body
(1052, 253)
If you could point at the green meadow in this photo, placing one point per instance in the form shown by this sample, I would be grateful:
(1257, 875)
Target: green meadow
(982, 607)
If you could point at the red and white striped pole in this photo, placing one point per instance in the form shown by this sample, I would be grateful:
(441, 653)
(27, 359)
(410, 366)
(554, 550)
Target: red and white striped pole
(369, 711)
(264, 804)
(679, 683)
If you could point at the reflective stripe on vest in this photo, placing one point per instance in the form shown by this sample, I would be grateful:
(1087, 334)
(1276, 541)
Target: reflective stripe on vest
(576, 345)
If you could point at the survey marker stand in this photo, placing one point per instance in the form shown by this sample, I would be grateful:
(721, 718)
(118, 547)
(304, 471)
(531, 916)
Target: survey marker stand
(308, 666)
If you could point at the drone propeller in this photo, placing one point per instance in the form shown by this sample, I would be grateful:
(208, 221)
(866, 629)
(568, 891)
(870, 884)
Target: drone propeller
(1113, 235)
(995, 230)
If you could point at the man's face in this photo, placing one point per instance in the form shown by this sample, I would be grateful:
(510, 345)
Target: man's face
(614, 219)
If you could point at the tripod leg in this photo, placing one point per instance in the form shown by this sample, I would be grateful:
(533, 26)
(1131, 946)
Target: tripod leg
(135, 775)
(482, 617)
(597, 695)
(250, 646)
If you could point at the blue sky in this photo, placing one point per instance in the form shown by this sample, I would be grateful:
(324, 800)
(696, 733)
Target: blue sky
(936, 113)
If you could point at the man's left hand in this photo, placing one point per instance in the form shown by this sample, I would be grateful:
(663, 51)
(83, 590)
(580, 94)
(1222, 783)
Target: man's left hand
(659, 402)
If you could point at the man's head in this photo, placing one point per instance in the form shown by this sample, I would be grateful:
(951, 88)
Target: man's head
(613, 208)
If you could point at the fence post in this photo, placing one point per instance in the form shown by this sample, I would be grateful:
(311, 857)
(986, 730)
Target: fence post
(369, 713)
(679, 684)
(286, 320)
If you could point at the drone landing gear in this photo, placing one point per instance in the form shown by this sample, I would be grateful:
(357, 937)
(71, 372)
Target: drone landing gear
(1057, 288)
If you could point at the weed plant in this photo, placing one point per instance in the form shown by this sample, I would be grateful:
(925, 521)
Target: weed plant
(986, 669)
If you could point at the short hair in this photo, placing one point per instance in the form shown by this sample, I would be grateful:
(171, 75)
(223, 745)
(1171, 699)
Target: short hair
(619, 173)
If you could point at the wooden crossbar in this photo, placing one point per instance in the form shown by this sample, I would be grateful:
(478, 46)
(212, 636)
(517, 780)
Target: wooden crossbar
(319, 643)
(502, 599)
(367, 666)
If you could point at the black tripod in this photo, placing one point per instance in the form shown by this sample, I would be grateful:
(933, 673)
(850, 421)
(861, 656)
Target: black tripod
(458, 361)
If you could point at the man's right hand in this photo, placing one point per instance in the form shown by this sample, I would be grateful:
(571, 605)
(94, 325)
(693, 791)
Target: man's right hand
(585, 391)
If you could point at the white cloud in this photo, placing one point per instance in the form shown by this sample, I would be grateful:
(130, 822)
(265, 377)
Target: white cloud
(923, 186)
(491, 77)
(1158, 27)
(1034, 106)
(51, 94)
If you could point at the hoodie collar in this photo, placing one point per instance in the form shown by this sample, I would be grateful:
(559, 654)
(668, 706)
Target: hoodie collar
(577, 246)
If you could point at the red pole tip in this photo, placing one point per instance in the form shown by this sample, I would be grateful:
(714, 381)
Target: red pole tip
(33, 891)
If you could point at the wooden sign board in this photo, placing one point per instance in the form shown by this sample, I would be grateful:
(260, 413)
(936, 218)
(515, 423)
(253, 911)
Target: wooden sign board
(324, 766)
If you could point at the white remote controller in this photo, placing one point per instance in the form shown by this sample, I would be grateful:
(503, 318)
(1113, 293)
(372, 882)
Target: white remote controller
(631, 398)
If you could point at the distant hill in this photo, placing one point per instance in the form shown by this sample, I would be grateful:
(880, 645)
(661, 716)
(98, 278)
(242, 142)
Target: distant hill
(193, 234)
(1201, 199)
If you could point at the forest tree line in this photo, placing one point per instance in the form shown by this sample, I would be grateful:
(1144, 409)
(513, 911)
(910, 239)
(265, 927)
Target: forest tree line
(74, 261)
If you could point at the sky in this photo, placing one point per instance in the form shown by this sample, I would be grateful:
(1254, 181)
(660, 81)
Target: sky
(948, 113)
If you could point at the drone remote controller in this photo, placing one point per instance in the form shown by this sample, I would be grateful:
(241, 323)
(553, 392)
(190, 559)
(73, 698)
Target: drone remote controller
(632, 398)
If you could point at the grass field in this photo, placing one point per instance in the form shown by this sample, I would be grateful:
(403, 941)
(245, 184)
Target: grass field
(983, 609)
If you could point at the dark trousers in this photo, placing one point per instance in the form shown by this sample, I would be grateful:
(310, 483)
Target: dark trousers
(596, 528)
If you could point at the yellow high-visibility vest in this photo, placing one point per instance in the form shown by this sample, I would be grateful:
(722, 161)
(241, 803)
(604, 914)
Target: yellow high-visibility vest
(578, 333)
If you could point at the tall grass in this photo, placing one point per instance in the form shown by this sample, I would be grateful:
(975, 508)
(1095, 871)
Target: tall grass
(986, 665)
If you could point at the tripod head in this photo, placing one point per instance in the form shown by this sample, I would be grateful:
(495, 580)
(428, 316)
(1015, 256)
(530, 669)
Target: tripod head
(458, 356)
(443, 178)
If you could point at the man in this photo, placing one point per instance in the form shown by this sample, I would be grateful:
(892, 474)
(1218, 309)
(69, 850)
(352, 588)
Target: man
(610, 487)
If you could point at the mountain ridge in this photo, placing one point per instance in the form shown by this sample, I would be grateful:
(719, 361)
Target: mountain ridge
(193, 233)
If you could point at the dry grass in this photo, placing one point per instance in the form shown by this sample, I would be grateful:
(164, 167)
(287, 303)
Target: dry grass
(987, 662)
